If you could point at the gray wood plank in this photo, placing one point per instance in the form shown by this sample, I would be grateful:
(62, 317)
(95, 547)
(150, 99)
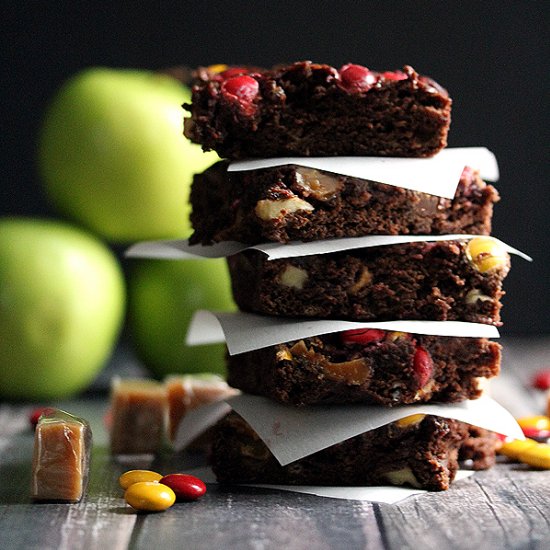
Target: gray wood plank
(504, 508)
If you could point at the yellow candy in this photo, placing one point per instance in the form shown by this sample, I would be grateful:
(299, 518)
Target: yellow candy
(512, 449)
(537, 456)
(150, 496)
(218, 68)
(396, 335)
(534, 422)
(486, 253)
(410, 420)
(135, 476)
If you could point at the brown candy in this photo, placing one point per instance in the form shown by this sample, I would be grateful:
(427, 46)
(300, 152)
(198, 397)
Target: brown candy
(139, 410)
(61, 460)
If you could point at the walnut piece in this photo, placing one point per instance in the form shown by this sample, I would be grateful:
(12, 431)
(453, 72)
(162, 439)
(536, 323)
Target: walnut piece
(293, 277)
(272, 209)
(403, 476)
(318, 185)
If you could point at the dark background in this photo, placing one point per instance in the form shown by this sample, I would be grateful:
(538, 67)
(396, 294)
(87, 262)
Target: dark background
(491, 56)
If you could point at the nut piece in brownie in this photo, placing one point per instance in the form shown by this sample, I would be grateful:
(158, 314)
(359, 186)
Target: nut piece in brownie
(297, 203)
(310, 109)
(439, 281)
(368, 366)
(419, 450)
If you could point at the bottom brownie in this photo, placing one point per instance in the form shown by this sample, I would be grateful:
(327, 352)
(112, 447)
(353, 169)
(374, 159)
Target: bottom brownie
(421, 451)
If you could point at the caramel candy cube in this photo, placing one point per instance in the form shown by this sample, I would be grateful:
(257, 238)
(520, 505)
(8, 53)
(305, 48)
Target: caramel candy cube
(139, 410)
(61, 460)
(189, 391)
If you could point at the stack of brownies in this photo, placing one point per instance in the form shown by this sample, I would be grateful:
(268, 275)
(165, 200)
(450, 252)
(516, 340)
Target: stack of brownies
(314, 110)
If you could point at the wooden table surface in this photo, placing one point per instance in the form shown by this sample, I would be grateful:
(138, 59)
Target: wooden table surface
(503, 508)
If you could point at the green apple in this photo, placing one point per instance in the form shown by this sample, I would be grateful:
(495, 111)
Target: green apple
(163, 295)
(62, 301)
(113, 156)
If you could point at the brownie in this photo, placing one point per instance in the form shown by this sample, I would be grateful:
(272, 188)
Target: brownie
(422, 454)
(367, 366)
(425, 280)
(310, 109)
(295, 203)
(477, 451)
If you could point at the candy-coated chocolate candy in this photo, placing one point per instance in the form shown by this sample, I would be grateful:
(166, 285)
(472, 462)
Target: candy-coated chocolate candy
(394, 75)
(135, 476)
(486, 254)
(533, 433)
(512, 449)
(233, 71)
(537, 427)
(423, 366)
(363, 336)
(537, 456)
(356, 78)
(541, 380)
(150, 496)
(244, 88)
(217, 68)
(410, 420)
(186, 487)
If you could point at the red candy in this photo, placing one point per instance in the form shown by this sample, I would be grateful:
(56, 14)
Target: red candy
(356, 78)
(423, 366)
(534, 433)
(394, 75)
(233, 71)
(37, 413)
(542, 380)
(363, 336)
(242, 88)
(186, 487)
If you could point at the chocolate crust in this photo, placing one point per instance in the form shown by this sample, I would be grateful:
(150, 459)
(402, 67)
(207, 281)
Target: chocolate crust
(305, 109)
(427, 281)
(388, 371)
(422, 454)
(248, 206)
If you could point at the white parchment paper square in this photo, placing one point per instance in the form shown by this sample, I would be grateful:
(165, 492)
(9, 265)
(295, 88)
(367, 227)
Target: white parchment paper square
(387, 495)
(182, 250)
(244, 332)
(438, 175)
(292, 433)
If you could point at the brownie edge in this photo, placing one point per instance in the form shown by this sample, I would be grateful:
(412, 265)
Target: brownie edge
(288, 203)
(421, 452)
(437, 281)
(369, 366)
(311, 109)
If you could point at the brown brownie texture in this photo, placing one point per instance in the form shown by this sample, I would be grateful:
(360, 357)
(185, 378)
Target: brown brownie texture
(436, 281)
(422, 453)
(288, 203)
(478, 450)
(368, 366)
(311, 109)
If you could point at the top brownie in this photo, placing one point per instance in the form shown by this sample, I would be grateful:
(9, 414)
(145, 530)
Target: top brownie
(310, 109)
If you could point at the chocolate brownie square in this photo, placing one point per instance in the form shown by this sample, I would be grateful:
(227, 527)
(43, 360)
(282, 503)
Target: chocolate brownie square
(420, 451)
(310, 109)
(439, 281)
(295, 203)
(367, 366)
